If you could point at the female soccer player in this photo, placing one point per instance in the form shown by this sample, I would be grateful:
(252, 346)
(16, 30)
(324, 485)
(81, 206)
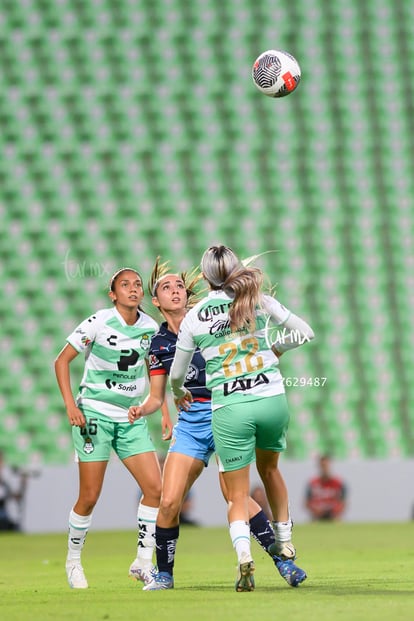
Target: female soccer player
(115, 342)
(192, 444)
(250, 413)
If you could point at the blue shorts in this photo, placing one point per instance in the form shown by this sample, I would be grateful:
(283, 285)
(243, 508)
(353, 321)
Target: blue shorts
(193, 439)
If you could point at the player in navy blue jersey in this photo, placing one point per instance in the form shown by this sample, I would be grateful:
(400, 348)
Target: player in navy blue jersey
(192, 442)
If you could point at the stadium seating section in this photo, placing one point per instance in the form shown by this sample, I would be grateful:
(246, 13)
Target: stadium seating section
(132, 128)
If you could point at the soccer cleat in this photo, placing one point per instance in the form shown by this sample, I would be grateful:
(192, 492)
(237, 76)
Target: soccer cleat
(142, 573)
(159, 582)
(76, 576)
(293, 574)
(283, 554)
(284, 550)
(245, 579)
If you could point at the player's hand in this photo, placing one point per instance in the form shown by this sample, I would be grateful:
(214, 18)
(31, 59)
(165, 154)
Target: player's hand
(166, 427)
(184, 402)
(134, 413)
(75, 416)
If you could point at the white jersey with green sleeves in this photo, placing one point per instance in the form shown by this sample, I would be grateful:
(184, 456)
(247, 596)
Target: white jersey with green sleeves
(115, 373)
(240, 366)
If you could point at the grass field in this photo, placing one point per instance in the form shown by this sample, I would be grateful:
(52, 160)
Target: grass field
(356, 572)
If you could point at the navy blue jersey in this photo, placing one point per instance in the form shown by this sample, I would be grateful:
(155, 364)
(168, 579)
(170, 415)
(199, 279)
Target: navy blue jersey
(161, 355)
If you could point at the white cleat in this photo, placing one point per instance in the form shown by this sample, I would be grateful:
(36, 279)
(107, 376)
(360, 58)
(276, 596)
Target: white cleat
(285, 550)
(142, 573)
(76, 576)
(245, 579)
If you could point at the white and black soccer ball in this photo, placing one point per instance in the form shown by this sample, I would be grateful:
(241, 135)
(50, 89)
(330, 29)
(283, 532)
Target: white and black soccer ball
(276, 73)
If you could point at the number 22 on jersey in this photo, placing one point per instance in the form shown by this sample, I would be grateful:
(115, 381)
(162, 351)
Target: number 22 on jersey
(247, 360)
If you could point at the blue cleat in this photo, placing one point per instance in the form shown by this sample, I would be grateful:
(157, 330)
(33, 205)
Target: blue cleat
(160, 581)
(283, 554)
(293, 574)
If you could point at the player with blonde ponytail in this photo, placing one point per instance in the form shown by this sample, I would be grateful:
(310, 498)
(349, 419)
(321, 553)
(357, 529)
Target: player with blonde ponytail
(250, 414)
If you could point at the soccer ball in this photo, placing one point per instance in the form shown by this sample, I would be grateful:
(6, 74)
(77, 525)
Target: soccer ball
(276, 73)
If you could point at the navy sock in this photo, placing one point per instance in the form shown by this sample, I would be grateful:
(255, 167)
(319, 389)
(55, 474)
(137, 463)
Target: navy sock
(166, 539)
(261, 529)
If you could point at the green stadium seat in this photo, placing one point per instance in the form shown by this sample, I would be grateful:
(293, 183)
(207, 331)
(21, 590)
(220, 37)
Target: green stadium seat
(129, 131)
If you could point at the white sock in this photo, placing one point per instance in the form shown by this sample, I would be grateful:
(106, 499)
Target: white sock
(78, 529)
(147, 518)
(240, 538)
(283, 531)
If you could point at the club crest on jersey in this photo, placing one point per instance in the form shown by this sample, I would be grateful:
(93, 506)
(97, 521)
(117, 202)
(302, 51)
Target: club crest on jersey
(153, 360)
(88, 446)
(145, 342)
(192, 373)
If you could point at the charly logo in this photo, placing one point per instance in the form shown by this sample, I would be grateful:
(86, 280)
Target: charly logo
(111, 340)
(231, 460)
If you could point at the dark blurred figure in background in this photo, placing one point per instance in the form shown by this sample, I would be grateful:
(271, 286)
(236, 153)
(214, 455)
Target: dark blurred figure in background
(9, 494)
(326, 494)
